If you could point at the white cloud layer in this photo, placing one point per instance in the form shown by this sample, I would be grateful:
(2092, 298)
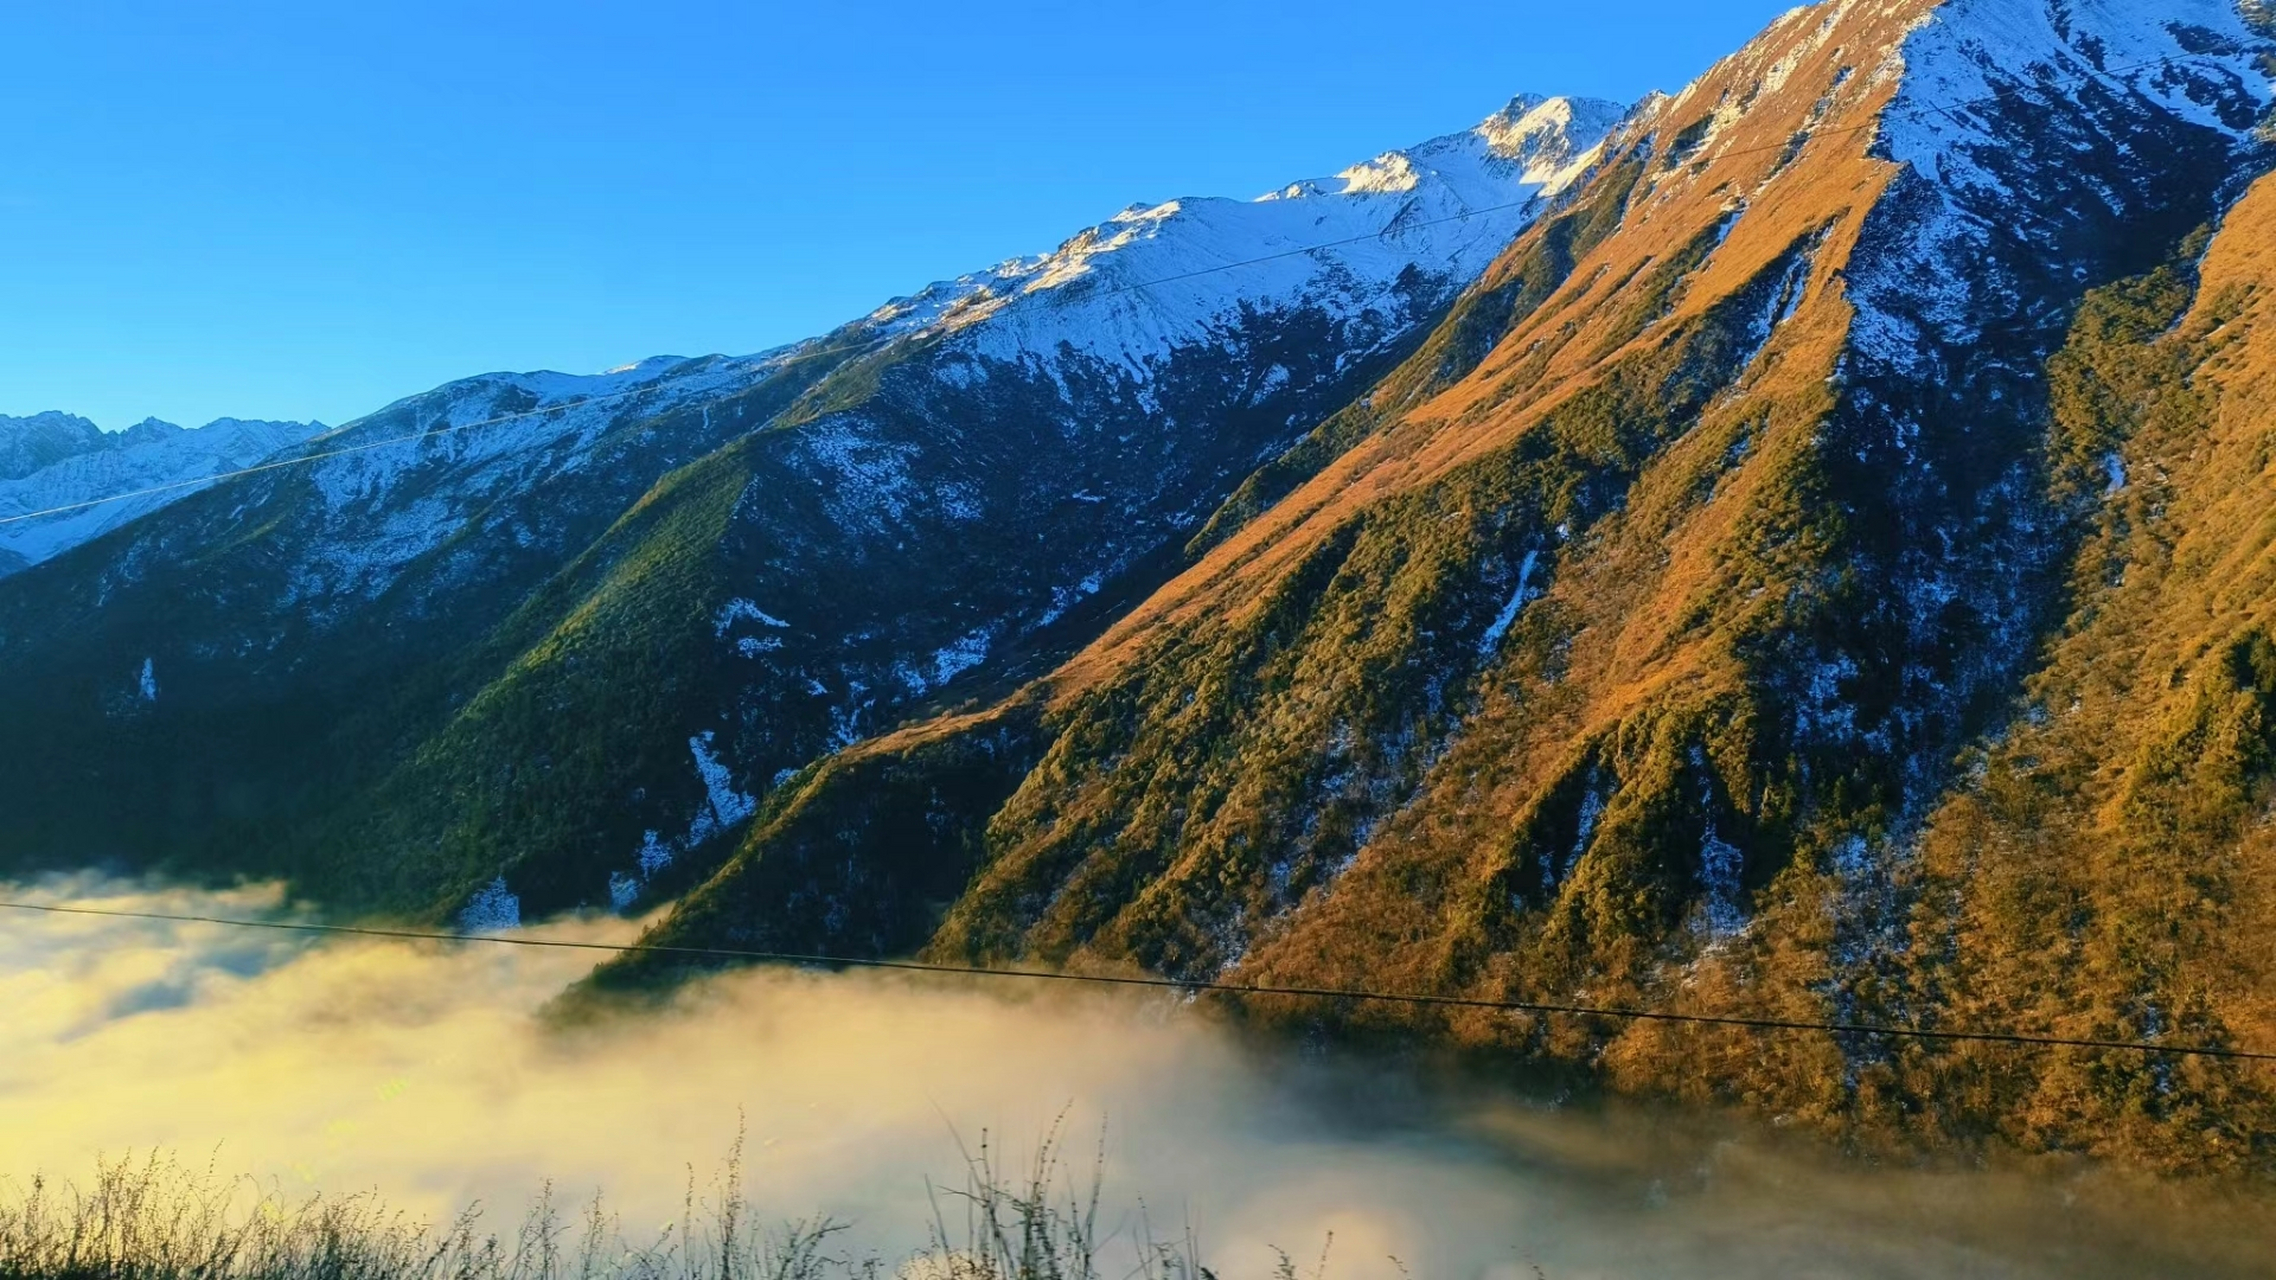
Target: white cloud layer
(419, 1070)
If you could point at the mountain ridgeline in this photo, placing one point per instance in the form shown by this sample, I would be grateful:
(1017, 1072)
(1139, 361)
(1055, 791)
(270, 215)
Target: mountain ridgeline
(525, 642)
(1803, 548)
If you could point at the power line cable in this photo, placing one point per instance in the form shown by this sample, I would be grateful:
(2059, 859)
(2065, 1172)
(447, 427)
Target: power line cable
(1617, 1012)
(1190, 986)
(1798, 138)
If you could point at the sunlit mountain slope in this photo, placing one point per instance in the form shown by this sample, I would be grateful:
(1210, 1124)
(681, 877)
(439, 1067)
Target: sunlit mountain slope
(1692, 648)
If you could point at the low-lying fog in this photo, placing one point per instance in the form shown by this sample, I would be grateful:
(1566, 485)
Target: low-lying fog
(417, 1069)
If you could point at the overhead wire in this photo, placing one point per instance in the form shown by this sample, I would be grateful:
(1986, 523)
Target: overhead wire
(1188, 986)
(1798, 138)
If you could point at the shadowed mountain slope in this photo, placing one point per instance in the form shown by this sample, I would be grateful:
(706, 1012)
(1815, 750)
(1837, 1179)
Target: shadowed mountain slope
(532, 642)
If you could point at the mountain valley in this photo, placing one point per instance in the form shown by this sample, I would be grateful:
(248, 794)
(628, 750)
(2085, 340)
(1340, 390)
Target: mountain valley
(1802, 548)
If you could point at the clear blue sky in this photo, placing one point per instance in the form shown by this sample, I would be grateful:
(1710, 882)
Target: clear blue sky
(306, 209)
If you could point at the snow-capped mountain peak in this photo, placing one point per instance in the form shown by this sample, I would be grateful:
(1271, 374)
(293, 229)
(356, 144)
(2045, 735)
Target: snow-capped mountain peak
(2126, 79)
(42, 440)
(1551, 138)
(1545, 142)
(1366, 253)
(1443, 207)
(1083, 412)
(2200, 60)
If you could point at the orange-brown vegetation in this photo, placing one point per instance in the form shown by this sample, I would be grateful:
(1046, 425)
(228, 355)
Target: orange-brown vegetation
(1660, 654)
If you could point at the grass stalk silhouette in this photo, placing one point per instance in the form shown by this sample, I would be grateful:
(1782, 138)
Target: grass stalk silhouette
(155, 1217)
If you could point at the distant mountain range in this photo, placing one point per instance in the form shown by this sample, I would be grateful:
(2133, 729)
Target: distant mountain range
(53, 460)
(1799, 548)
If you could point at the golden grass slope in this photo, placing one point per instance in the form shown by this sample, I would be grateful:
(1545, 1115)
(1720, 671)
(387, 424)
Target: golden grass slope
(2111, 864)
(1678, 654)
(1796, 113)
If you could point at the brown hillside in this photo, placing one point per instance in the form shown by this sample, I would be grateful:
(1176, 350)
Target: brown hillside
(1703, 644)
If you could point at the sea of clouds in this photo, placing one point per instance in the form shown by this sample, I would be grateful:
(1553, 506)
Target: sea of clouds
(422, 1071)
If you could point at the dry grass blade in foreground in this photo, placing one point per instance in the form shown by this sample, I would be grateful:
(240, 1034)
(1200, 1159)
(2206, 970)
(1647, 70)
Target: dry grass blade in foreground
(155, 1218)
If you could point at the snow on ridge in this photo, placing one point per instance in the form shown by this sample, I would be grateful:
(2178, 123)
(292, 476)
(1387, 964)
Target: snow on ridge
(2194, 59)
(1754, 72)
(155, 454)
(483, 396)
(2186, 56)
(1157, 276)
(1554, 138)
(32, 443)
(477, 426)
(1153, 278)
(1546, 143)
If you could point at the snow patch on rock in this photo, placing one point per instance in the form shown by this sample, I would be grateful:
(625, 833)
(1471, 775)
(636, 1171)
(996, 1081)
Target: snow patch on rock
(738, 610)
(493, 909)
(723, 806)
(1502, 622)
